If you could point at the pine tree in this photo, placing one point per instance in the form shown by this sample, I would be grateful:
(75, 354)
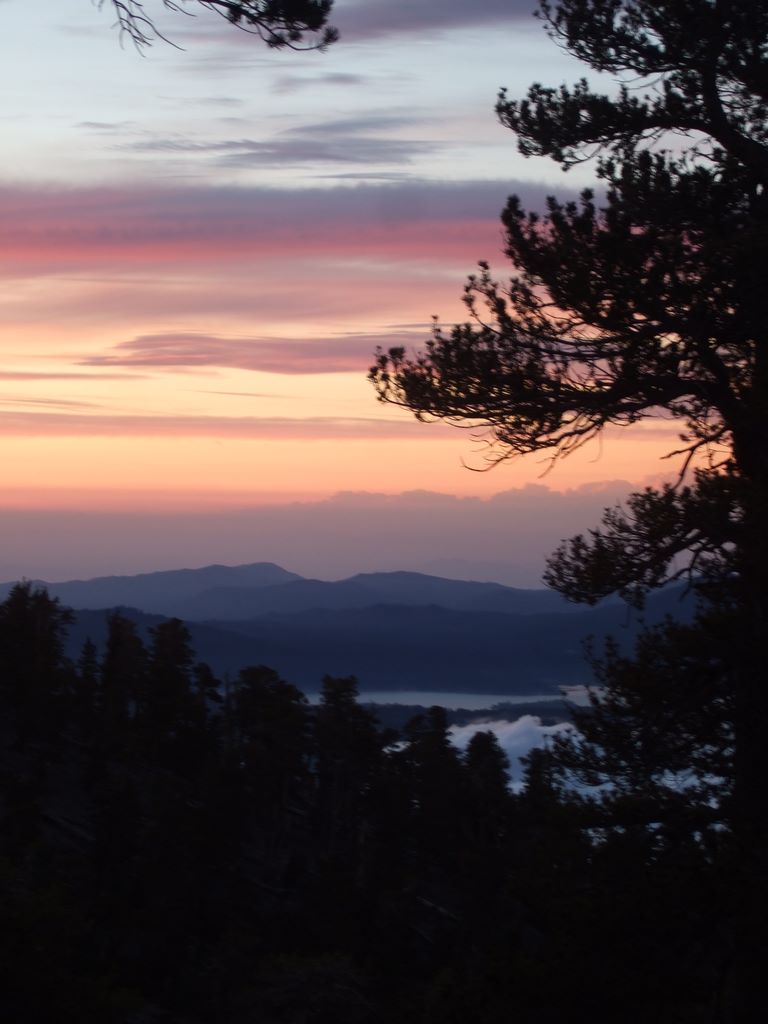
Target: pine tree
(638, 300)
(123, 679)
(34, 674)
(271, 722)
(644, 300)
(347, 749)
(166, 706)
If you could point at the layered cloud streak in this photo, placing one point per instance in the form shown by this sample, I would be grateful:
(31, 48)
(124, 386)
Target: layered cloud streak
(345, 354)
(48, 230)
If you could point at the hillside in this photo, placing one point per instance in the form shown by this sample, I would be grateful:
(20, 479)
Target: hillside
(394, 631)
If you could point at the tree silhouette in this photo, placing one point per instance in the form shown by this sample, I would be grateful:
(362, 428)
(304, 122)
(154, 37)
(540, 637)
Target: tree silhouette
(270, 719)
(644, 302)
(123, 678)
(487, 769)
(166, 704)
(296, 24)
(651, 301)
(34, 674)
(347, 763)
(266, 859)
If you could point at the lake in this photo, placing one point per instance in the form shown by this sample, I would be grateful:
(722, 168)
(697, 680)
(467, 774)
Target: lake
(427, 698)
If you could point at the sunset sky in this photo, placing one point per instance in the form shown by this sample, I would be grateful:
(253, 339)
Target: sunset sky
(202, 247)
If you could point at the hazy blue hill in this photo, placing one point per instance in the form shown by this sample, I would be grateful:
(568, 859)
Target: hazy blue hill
(426, 647)
(296, 596)
(434, 648)
(387, 647)
(226, 650)
(364, 591)
(524, 602)
(419, 588)
(249, 591)
(161, 592)
(394, 630)
(431, 647)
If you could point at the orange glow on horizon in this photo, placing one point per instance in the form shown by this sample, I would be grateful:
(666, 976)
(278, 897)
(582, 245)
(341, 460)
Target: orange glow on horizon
(206, 363)
(204, 473)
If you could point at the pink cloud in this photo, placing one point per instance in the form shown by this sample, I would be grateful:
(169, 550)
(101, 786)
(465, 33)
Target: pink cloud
(506, 539)
(39, 375)
(361, 20)
(47, 231)
(344, 354)
(311, 428)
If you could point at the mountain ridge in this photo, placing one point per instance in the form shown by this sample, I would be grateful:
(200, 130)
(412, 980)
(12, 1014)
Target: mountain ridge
(259, 588)
(394, 631)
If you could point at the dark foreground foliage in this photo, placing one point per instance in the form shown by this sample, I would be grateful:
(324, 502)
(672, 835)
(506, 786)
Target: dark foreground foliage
(180, 850)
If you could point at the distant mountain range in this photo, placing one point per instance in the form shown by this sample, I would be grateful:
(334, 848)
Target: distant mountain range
(245, 591)
(162, 592)
(394, 630)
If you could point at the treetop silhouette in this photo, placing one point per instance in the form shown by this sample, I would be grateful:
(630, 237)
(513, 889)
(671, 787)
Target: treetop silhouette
(646, 302)
(295, 24)
(649, 299)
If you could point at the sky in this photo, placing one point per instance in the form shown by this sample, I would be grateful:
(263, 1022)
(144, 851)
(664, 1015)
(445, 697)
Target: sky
(201, 247)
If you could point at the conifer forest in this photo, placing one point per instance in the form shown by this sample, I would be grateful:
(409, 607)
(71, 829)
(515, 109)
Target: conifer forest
(178, 849)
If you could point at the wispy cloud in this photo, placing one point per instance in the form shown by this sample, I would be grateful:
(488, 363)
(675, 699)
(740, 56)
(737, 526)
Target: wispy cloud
(506, 540)
(107, 127)
(292, 150)
(285, 84)
(50, 230)
(312, 428)
(373, 19)
(344, 354)
(217, 101)
(357, 20)
(57, 403)
(41, 375)
(373, 139)
(241, 394)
